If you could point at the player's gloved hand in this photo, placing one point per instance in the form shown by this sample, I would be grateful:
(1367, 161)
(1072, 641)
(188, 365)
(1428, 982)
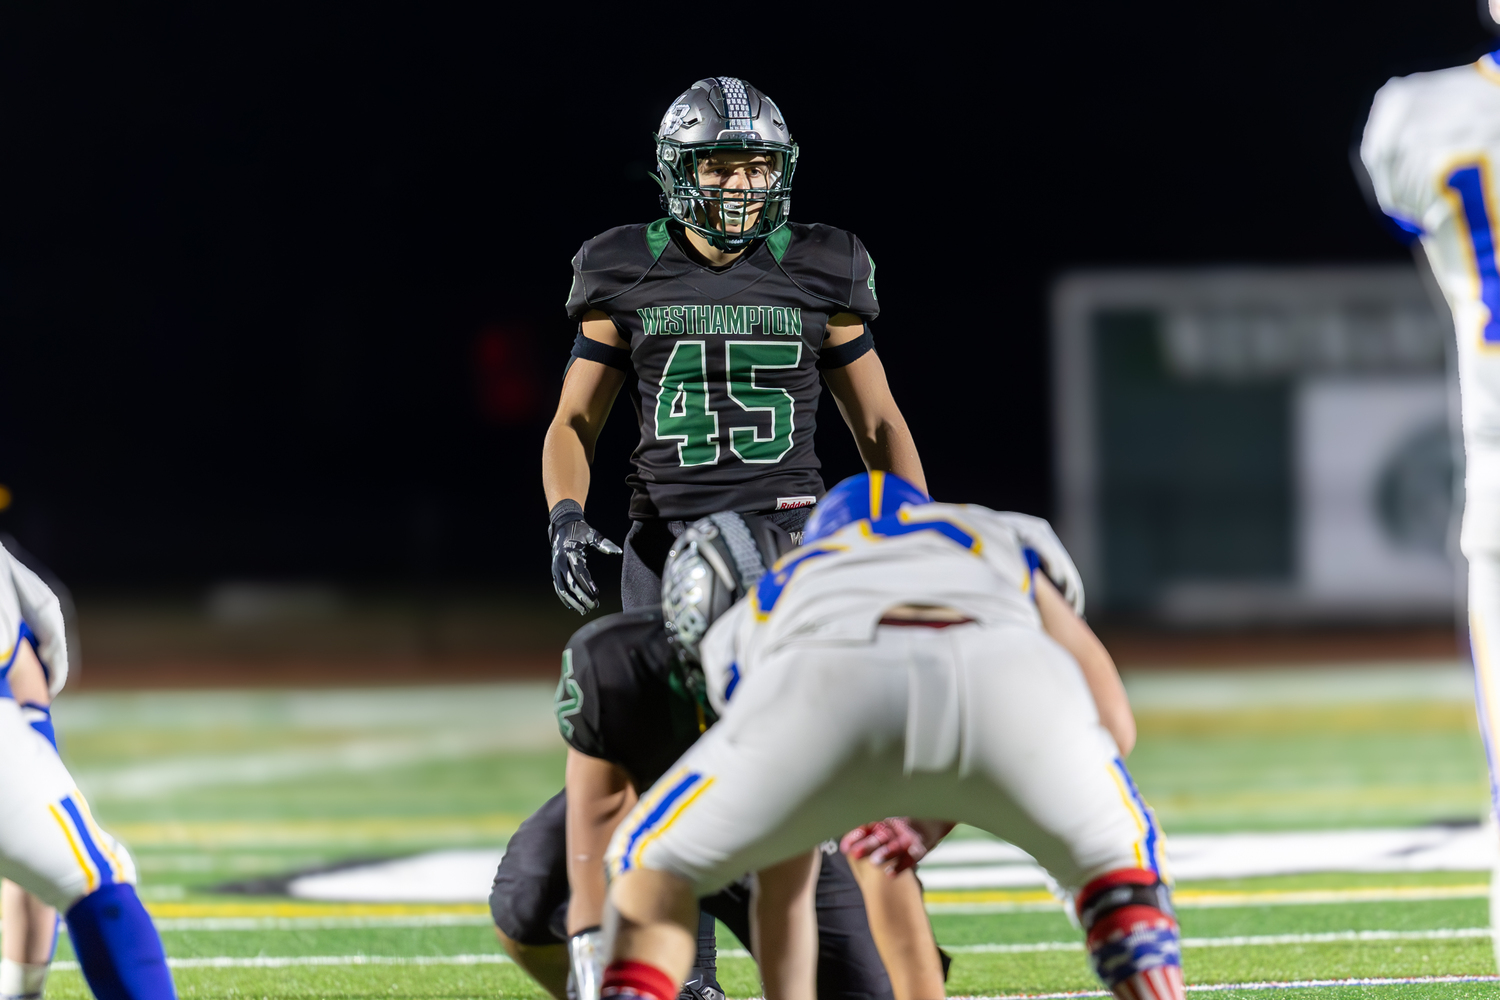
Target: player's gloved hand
(571, 539)
(894, 844)
(586, 957)
(1036, 534)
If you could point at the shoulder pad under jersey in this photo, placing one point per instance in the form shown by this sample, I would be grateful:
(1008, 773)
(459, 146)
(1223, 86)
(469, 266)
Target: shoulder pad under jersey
(597, 659)
(613, 262)
(829, 263)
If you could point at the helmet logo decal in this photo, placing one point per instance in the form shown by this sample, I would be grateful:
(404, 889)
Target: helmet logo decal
(672, 123)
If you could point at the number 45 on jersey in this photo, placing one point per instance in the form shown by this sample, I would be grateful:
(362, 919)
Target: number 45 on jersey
(685, 414)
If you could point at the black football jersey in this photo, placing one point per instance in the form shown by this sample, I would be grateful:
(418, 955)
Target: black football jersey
(625, 698)
(725, 360)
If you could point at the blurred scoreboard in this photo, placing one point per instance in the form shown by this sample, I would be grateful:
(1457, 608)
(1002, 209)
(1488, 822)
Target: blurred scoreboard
(1246, 445)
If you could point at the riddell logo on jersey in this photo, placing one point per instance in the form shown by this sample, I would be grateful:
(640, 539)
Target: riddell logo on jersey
(787, 503)
(672, 321)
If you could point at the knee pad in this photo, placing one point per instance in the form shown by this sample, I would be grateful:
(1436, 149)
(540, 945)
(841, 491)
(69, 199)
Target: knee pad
(39, 717)
(118, 947)
(1133, 941)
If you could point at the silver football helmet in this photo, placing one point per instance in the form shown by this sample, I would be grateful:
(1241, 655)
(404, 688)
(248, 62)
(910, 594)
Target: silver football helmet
(711, 565)
(724, 114)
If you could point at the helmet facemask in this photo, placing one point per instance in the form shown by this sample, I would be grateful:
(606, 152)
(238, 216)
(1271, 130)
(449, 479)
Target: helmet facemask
(730, 218)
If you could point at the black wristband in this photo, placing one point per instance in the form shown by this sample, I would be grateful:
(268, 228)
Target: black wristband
(847, 354)
(592, 350)
(563, 512)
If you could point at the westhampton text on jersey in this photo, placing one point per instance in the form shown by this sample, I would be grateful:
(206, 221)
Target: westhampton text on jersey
(780, 321)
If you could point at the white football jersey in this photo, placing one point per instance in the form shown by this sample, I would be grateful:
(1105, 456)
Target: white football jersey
(25, 601)
(972, 559)
(1432, 148)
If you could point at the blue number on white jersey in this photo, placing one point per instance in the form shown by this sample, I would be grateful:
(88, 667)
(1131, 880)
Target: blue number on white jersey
(1468, 181)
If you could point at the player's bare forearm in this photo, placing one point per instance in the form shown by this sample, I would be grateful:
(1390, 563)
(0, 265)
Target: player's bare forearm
(1074, 635)
(565, 465)
(599, 795)
(588, 393)
(865, 401)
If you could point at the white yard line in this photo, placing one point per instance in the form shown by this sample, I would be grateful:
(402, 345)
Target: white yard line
(978, 864)
(449, 920)
(1333, 937)
(1196, 899)
(1303, 984)
(273, 962)
(169, 775)
(319, 923)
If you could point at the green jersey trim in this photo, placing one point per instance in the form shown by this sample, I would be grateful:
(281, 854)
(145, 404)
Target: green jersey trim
(657, 238)
(779, 241)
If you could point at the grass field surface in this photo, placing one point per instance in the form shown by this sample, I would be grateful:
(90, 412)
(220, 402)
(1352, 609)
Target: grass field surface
(226, 787)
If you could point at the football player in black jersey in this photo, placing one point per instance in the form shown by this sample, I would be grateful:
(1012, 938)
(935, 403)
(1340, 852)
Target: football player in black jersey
(629, 705)
(719, 319)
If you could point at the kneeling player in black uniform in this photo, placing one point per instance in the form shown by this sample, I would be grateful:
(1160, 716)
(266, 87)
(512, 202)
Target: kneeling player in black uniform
(719, 319)
(629, 705)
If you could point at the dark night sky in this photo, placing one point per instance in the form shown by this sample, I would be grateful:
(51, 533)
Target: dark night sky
(281, 292)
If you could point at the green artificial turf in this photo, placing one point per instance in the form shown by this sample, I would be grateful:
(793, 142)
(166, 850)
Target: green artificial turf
(213, 791)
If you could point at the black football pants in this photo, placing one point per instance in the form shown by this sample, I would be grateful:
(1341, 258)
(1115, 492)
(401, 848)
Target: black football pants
(529, 902)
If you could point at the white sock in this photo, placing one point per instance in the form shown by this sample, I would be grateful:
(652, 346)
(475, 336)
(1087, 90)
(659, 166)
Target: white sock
(21, 981)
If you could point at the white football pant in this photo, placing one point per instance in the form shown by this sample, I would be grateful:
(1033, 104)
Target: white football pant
(49, 843)
(992, 726)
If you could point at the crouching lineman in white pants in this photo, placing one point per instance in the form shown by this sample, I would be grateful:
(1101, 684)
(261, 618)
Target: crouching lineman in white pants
(50, 845)
(1432, 148)
(895, 664)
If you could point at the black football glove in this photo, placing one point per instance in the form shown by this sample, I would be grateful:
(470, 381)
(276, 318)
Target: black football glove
(571, 539)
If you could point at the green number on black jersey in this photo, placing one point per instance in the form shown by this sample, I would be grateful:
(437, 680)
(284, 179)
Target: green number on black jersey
(743, 361)
(569, 697)
(682, 410)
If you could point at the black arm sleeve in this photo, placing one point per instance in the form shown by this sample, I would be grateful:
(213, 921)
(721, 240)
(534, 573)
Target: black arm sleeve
(847, 353)
(592, 350)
